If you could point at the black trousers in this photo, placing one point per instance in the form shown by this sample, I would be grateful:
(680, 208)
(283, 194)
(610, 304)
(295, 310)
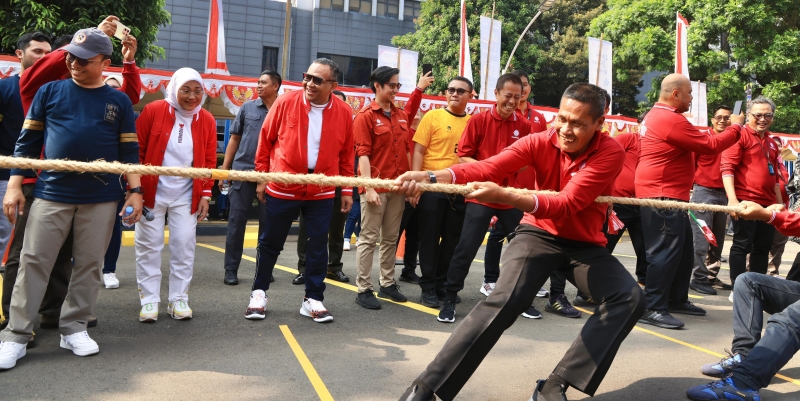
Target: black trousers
(58, 284)
(754, 238)
(440, 217)
(476, 222)
(410, 225)
(670, 255)
(631, 216)
(335, 237)
(527, 263)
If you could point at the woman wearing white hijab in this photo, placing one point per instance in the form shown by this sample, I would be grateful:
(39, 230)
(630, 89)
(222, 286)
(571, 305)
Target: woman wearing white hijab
(174, 132)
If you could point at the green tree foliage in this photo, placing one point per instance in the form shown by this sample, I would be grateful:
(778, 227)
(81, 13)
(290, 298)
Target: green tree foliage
(731, 43)
(553, 51)
(65, 17)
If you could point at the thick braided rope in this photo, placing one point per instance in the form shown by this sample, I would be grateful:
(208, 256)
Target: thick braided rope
(309, 179)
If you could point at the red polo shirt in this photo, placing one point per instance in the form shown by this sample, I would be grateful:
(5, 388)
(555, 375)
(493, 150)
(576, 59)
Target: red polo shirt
(624, 184)
(708, 173)
(486, 135)
(572, 214)
(747, 162)
(666, 164)
(384, 140)
(527, 178)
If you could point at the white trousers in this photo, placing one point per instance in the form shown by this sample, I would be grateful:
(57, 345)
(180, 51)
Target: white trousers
(149, 241)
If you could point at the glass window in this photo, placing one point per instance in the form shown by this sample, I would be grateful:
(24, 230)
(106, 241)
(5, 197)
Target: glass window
(361, 6)
(269, 59)
(388, 8)
(411, 9)
(335, 5)
(355, 70)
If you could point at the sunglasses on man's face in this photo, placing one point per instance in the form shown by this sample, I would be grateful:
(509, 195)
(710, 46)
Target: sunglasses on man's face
(317, 80)
(81, 61)
(460, 91)
(394, 85)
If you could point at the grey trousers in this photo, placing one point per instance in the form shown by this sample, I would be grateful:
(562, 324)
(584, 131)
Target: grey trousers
(240, 197)
(707, 257)
(48, 226)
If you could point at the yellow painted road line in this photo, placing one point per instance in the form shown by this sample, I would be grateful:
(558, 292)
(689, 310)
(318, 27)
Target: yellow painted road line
(313, 377)
(350, 287)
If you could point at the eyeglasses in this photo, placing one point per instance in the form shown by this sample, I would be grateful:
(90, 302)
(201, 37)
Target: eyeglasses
(197, 93)
(722, 118)
(81, 61)
(460, 91)
(317, 80)
(394, 86)
(767, 116)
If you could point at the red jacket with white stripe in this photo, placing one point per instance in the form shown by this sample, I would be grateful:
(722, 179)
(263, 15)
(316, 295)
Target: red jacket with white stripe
(283, 146)
(154, 127)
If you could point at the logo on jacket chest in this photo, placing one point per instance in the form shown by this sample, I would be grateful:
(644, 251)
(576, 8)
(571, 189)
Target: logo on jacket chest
(111, 113)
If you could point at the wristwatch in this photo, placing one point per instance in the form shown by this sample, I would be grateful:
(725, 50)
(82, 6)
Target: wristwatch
(432, 177)
(137, 190)
(208, 198)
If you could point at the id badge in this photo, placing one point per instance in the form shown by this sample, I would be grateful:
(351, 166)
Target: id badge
(771, 169)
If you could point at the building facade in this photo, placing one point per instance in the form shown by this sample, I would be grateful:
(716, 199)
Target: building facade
(346, 31)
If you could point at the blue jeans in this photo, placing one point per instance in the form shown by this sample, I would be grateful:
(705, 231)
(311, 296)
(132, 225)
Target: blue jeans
(754, 294)
(279, 217)
(112, 253)
(353, 224)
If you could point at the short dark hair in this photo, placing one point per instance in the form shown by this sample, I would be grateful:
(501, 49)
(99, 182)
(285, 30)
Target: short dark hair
(521, 74)
(514, 79)
(381, 76)
(608, 98)
(333, 66)
(587, 93)
(61, 41)
(273, 76)
(463, 79)
(25, 40)
(721, 107)
(340, 94)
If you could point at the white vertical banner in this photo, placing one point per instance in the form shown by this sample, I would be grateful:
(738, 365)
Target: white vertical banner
(464, 58)
(698, 113)
(600, 64)
(390, 56)
(681, 49)
(490, 53)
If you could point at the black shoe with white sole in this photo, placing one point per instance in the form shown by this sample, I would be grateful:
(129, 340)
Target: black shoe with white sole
(448, 312)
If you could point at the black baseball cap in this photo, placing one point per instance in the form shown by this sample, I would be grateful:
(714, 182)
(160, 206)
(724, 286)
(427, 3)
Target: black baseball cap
(89, 42)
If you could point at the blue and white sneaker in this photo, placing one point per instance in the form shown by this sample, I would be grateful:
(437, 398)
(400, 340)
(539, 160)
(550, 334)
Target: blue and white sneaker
(723, 367)
(722, 389)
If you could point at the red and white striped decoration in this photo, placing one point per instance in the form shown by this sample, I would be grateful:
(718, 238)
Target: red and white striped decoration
(681, 50)
(215, 46)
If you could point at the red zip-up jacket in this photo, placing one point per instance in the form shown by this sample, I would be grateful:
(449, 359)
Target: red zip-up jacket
(572, 214)
(624, 184)
(746, 161)
(666, 163)
(282, 145)
(154, 127)
(708, 172)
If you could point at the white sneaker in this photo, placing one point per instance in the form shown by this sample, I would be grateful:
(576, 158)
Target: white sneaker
(149, 312)
(80, 344)
(346, 246)
(542, 293)
(110, 280)
(487, 288)
(10, 352)
(258, 305)
(315, 310)
(179, 310)
(730, 297)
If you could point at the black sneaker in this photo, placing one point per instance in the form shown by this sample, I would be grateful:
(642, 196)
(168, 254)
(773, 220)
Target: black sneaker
(561, 306)
(418, 391)
(367, 299)
(687, 309)
(338, 276)
(429, 298)
(719, 284)
(540, 386)
(299, 279)
(448, 312)
(661, 319)
(583, 300)
(230, 278)
(392, 292)
(409, 277)
(532, 313)
(703, 288)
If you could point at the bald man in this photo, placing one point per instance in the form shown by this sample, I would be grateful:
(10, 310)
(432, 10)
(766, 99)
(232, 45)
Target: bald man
(666, 172)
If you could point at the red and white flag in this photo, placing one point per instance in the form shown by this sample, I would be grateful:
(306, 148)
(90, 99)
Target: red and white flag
(215, 45)
(681, 50)
(464, 61)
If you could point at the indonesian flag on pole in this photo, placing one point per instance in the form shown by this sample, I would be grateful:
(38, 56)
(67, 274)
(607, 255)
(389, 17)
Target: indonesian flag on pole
(681, 51)
(464, 62)
(215, 47)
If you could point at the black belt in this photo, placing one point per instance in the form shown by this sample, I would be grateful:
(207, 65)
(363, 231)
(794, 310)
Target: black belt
(311, 171)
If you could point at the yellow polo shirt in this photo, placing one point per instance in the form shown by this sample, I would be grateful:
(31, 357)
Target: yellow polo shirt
(439, 131)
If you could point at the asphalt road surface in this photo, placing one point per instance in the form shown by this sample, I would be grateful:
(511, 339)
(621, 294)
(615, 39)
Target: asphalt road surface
(362, 355)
